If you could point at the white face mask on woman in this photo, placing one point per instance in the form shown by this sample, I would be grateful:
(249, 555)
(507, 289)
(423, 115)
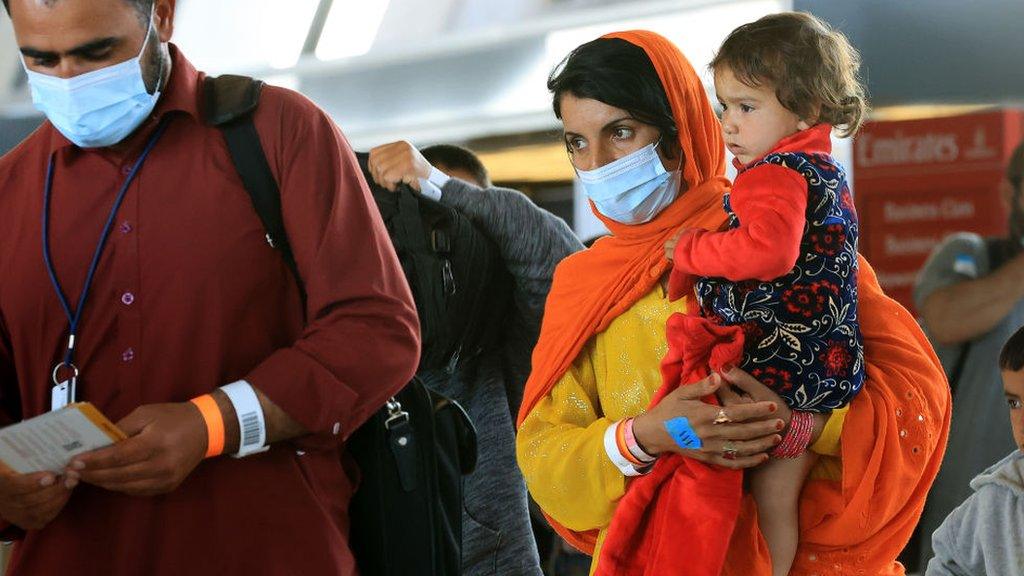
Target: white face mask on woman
(633, 189)
(98, 108)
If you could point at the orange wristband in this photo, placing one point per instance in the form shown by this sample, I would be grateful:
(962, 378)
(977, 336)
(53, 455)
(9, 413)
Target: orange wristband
(214, 424)
(620, 441)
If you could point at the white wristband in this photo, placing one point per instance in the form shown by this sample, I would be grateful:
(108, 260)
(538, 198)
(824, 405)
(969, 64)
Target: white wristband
(252, 427)
(612, 448)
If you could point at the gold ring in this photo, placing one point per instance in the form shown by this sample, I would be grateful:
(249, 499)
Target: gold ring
(729, 451)
(722, 417)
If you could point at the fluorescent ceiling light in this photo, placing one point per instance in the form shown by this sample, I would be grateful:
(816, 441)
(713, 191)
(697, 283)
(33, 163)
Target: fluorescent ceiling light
(351, 28)
(228, 35)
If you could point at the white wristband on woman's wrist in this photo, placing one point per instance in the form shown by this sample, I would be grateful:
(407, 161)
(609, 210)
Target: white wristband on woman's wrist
(252, 427)
(620, 461)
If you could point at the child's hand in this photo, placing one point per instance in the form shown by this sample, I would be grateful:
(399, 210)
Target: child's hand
(670, 245)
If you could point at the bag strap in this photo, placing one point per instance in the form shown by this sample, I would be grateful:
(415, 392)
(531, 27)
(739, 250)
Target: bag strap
(229, 105)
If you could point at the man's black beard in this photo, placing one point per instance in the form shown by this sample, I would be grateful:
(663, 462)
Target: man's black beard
(1013, 244)
(1017, 220)
(153, 63)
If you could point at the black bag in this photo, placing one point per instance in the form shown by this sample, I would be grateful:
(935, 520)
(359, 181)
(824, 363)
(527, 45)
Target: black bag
(406, 515)
(458, 281)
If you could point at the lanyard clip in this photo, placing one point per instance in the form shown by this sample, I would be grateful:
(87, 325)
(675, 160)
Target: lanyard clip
(57, 369)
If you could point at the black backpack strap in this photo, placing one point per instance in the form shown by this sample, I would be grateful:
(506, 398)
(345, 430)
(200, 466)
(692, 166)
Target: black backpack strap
(229, 104)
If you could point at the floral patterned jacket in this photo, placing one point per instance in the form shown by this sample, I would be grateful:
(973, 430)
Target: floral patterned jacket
(785, 271)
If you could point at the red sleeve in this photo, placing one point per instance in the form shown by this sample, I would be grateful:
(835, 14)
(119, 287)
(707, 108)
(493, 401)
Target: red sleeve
(361, 341)
(8, 401)
(770, 202)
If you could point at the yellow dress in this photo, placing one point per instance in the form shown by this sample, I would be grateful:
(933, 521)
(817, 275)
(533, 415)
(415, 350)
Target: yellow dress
(560, 445)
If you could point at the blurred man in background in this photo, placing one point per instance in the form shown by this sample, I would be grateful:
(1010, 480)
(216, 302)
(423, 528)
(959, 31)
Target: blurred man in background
(971, 297)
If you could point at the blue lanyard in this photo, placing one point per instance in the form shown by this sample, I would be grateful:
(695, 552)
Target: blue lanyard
(74, 317)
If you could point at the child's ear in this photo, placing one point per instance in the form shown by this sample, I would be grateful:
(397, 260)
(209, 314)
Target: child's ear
(811, 119)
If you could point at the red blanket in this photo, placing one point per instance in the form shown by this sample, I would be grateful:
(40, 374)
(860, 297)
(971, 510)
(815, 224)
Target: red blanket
(646, 536)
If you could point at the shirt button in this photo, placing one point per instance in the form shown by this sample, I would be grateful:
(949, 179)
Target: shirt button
(126, 169)
(126, 227)
(127, 298)
(337, 428)
(128, 355)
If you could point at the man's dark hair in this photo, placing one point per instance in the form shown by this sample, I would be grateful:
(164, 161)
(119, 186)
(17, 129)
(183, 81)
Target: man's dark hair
(143, 6)
(619, 74)
(1011, 359)
(1005, 249)
(457, 158)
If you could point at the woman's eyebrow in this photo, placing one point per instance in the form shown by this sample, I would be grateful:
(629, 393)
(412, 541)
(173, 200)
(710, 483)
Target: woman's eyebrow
(616, 121)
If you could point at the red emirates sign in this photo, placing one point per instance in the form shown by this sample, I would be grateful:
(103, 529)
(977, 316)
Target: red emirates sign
(917, 181)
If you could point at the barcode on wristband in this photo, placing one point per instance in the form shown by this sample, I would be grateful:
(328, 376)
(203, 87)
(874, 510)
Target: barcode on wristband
(250, 429)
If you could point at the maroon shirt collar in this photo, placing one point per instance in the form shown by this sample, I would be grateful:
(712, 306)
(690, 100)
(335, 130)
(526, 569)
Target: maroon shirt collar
(816, 139)
(181, 94)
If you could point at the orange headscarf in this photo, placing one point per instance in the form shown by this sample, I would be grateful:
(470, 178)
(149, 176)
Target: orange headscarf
(900, 418)
(593, 287)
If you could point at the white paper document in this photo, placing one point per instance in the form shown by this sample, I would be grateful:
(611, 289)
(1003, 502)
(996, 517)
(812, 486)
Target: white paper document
(49, 441)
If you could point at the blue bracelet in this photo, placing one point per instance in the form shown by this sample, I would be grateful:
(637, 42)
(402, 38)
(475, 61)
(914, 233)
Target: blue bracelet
(683, 434)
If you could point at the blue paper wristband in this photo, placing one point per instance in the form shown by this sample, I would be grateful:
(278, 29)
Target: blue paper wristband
(683, 434)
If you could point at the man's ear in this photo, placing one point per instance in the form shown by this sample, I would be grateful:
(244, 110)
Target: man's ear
(164, 19)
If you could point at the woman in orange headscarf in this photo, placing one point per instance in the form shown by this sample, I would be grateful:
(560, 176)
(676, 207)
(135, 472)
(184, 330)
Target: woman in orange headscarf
(622, 99)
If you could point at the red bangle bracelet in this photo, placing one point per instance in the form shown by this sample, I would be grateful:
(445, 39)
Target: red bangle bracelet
(798, 436)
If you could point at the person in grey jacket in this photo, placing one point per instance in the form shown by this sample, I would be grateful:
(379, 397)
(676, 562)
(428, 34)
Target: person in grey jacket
(985, 534)
(497, 537)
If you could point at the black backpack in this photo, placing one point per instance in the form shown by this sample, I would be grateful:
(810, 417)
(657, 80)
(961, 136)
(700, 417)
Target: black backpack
(406, 515)
(458, 281)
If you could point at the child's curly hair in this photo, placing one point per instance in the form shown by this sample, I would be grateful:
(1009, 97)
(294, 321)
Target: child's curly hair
(813, 68)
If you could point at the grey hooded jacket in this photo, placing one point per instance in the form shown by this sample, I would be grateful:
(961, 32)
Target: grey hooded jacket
(985, 534)
(497, 538)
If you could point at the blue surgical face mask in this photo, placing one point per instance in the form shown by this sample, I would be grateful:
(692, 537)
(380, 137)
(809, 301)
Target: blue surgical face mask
(98, 108)
(633, 189)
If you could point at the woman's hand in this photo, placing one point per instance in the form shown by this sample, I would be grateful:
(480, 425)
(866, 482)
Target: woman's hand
(741, 388)
(752, 430)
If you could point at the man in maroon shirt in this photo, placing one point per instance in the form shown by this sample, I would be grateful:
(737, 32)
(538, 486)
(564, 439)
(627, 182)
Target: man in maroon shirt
(185, 299)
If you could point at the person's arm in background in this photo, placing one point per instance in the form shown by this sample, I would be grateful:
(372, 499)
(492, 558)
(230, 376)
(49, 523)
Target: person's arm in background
(532, 241)
(958, 299)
